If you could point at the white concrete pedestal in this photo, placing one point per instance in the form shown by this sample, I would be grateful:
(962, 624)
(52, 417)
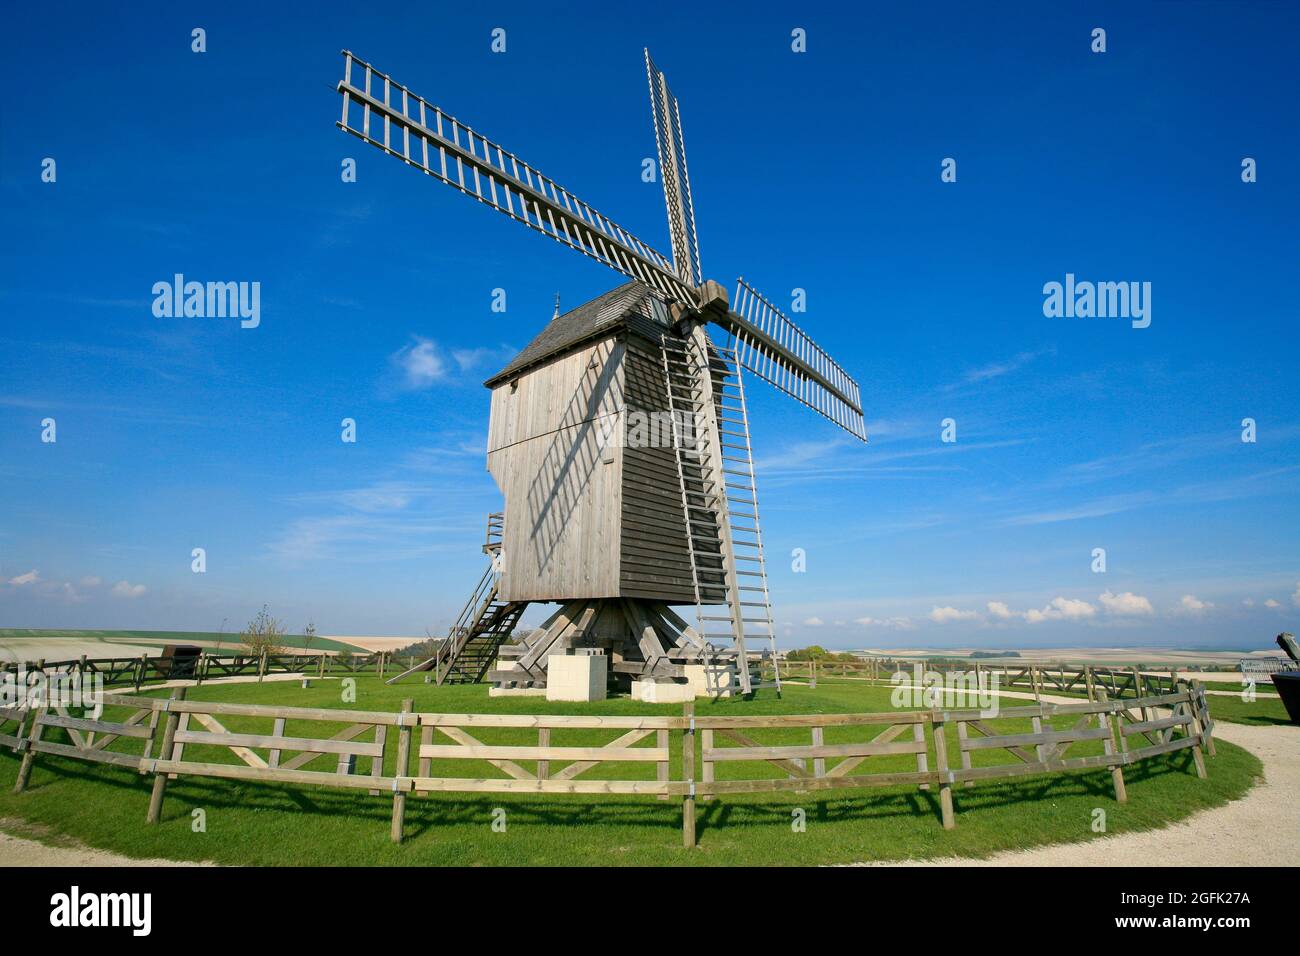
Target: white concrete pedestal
(576, 677)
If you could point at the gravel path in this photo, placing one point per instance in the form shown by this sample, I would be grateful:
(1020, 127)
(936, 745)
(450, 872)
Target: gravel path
(20, 851)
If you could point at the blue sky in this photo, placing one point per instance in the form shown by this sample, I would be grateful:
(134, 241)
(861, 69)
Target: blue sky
(818, 171)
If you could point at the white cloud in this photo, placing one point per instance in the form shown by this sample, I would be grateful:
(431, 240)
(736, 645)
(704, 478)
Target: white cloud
(1194, 605)
(1125, 603)
(902, 623)
(31, 577)
(1271, 603)
(420, 364)
(90, 581)
(1072, 609)
(1058, 609)
(946, 615)
(125, 589)
(813, 622)
(1001, 611)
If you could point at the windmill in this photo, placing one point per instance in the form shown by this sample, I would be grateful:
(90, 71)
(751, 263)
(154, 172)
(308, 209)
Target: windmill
(619, 436)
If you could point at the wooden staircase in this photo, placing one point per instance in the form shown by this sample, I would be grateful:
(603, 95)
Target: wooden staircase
(715, 470)
(484, 624)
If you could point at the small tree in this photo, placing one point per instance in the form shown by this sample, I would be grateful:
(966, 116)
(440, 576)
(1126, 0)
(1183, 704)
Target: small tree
(263, 635)
(308, 635)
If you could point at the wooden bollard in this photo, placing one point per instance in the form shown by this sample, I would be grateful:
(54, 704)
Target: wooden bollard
(688, 774)
(399, 771)
(164, 753)
(1115, 723)
(29, 755)
(941, 765)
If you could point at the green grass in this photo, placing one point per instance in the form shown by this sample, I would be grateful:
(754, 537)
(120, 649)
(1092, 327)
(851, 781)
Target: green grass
(1261, 712)
(269, 824)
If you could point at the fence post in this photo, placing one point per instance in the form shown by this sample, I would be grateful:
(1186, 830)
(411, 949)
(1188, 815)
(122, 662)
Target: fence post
(29, 750)
(665, 768)
(1088, 681)
(261, 665)
(1207, 721)
(937, 727)
(688, 774)
(164, 753)
(922, 757)
(139, 672)
(1194, 730)
(199, 666)
(322, 665)
(544, 740)
(400, 771)
(1115, 724)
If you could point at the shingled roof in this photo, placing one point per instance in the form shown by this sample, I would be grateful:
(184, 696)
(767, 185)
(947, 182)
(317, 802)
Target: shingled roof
(589, 321)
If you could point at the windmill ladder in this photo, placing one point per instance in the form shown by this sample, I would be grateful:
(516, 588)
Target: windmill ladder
(727, 563)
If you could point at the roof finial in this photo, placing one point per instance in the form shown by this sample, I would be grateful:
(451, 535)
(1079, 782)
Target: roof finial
(557, 306)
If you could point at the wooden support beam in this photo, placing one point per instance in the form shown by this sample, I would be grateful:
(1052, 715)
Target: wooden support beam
(164, 753)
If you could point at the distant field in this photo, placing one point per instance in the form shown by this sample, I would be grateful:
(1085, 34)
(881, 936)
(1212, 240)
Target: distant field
(17, 643)
(1228, 660)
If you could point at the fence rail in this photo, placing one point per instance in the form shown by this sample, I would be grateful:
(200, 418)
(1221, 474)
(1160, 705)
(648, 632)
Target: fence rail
(1084, 680)
(377, 751)
(144, 670)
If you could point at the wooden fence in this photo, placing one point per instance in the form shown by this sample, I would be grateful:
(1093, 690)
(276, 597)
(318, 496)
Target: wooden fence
(1117, 682)
(141, 671)
(377, 751)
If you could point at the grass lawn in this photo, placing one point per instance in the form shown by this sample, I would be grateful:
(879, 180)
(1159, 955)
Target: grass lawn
(273, 824)
(1262, 711)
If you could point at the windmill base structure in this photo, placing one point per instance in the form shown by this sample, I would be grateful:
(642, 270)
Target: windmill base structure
(619, 436)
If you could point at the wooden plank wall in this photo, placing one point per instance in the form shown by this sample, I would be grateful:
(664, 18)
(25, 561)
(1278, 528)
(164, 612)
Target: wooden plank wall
(654, 563)
(562, 488)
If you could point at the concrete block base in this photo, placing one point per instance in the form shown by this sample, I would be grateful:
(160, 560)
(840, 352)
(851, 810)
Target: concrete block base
(576, 677)
(649, 692)
(516, 691)
(723, 682)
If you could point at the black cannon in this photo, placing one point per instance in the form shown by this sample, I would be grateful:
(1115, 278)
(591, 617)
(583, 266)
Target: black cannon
(1288, 682)
(178, 661)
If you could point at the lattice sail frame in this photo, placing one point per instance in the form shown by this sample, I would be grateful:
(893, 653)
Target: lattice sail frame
(437, 143)
(673, 172)
(768, 343)
(771, 346)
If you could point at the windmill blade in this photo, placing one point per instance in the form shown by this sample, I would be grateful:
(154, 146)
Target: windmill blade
(676, 179)
(390, 117)
(779, 352)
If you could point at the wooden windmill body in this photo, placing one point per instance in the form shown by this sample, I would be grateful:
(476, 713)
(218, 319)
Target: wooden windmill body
(619, 436)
